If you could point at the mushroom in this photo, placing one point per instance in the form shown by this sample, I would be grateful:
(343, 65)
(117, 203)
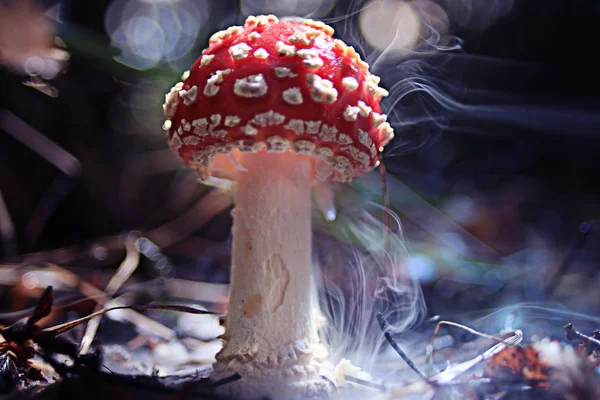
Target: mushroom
(278, 107)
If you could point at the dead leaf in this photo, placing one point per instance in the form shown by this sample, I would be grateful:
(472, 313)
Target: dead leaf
(519, 364)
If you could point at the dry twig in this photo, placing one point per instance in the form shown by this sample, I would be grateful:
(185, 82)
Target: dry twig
(466, 328)
(384, 325)
(127, 267)
(571, 334)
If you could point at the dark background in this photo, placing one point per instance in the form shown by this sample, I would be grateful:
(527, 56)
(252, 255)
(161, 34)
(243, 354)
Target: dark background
(499, 196)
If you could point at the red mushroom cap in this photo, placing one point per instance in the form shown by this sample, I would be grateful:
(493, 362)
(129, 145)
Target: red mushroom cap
(280, 85)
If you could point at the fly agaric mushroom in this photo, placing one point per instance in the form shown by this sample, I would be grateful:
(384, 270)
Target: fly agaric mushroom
(277, 107)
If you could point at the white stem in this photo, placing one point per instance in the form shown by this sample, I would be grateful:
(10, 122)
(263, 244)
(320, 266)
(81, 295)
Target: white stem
(270, 323)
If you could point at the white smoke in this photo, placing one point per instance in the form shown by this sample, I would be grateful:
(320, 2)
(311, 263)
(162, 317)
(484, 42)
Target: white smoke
(360, 277)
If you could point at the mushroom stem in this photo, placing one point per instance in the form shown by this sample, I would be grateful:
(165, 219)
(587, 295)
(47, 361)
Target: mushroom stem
(270, 327)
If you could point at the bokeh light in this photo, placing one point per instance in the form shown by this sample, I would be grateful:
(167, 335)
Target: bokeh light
(422, 267)
(150, 31)
(390, 25)
(282, 8)
(397, 29)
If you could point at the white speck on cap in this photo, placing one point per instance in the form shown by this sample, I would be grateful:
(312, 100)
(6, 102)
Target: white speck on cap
(283, 72)
(344, 139)
(212, 85)
(206, 59)
(285, 50)
(261, 53)
(303, 146)
(295, 125)
(378, 119)
(253, 36)
(189, 96)
(350, 83)
(312, 127)
(239, 51)
(364, 109)
(351, 113)
(268, 118)
(364, 138)
(251, 86)
(321, 90)
(232, 120)
(249, 130)
(292, 96)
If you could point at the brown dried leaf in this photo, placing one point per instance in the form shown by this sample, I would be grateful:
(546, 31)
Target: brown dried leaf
(519, 364)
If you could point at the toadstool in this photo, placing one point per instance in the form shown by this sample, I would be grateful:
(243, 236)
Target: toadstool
(277, 107)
